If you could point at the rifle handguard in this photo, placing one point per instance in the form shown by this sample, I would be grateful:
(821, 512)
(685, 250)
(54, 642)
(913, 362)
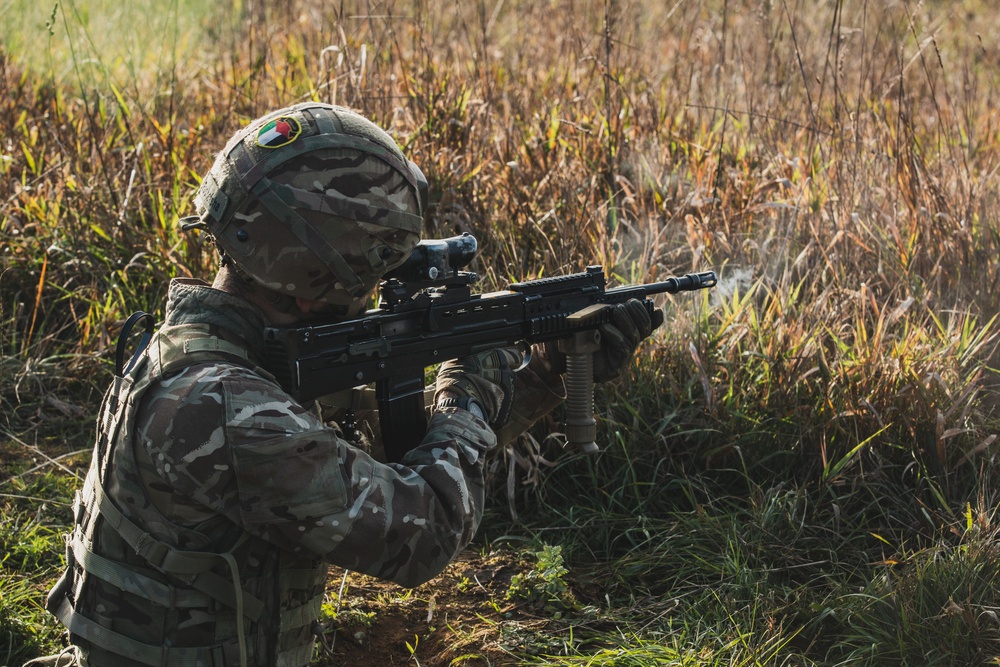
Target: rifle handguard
(581, 427)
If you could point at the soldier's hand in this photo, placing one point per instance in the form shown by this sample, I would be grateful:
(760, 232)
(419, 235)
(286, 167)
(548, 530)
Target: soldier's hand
(630, 325)
(487, 378)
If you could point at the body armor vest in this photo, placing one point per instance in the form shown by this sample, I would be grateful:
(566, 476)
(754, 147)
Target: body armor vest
(129, 598)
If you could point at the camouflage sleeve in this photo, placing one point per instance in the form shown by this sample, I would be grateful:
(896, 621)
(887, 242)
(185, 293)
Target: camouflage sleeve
(272, 466)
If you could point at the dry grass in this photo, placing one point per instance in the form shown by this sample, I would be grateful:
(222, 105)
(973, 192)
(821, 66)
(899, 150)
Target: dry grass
(835, 161)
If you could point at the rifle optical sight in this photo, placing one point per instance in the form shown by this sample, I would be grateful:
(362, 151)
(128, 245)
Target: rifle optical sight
(436, 259)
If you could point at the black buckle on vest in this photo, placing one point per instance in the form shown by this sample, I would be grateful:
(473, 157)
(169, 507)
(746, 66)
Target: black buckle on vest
(133, 319)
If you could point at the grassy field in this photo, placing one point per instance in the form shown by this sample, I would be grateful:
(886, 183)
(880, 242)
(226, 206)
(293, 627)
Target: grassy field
(797, 470)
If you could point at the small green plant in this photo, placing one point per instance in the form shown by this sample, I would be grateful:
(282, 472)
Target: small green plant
(544, 585)
(349, 616)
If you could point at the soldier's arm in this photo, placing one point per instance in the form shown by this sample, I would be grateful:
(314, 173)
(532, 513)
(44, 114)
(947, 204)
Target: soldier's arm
(300, 485)
(273, 467)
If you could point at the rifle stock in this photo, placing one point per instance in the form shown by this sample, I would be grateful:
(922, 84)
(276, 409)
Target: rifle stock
(442, 319)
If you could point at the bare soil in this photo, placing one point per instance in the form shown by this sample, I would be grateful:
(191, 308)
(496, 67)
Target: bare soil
(459, 618)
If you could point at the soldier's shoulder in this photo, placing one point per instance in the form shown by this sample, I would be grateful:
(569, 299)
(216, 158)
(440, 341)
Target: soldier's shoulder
(203, 397)
(210, 381)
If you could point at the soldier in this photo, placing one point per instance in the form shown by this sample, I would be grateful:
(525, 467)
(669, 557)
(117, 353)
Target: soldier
(215, 502)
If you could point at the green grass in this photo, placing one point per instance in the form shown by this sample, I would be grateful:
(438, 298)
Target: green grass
(797, 470)
(36, 513)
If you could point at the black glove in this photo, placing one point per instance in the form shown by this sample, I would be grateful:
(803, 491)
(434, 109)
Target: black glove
(488, 378)
(630, 325)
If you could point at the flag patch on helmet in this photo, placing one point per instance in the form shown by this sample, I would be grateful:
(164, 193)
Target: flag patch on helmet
(279, 132)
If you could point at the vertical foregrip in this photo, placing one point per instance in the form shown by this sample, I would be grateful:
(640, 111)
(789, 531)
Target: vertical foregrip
(581, 427)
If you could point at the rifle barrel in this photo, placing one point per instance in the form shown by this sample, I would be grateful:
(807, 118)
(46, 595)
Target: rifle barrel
(685, 283)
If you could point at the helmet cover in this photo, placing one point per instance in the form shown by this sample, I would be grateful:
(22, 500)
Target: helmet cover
(314, 201)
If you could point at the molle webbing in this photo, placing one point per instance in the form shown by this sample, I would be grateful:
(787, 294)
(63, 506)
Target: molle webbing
(191, 567)
(220, 655)
(198, 586)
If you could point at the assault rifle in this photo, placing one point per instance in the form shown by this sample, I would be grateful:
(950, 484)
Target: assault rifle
(428, 314)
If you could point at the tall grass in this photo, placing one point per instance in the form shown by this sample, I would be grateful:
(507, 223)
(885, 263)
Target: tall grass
(790, 466)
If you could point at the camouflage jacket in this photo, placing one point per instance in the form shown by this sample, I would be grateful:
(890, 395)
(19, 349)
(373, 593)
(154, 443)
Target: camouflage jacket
(229, 443)
(210, 474)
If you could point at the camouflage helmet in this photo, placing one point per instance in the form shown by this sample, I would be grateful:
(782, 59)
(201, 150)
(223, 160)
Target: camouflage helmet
(313, 201)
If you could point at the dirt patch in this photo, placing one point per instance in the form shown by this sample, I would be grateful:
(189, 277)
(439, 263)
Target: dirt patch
(461, 617)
